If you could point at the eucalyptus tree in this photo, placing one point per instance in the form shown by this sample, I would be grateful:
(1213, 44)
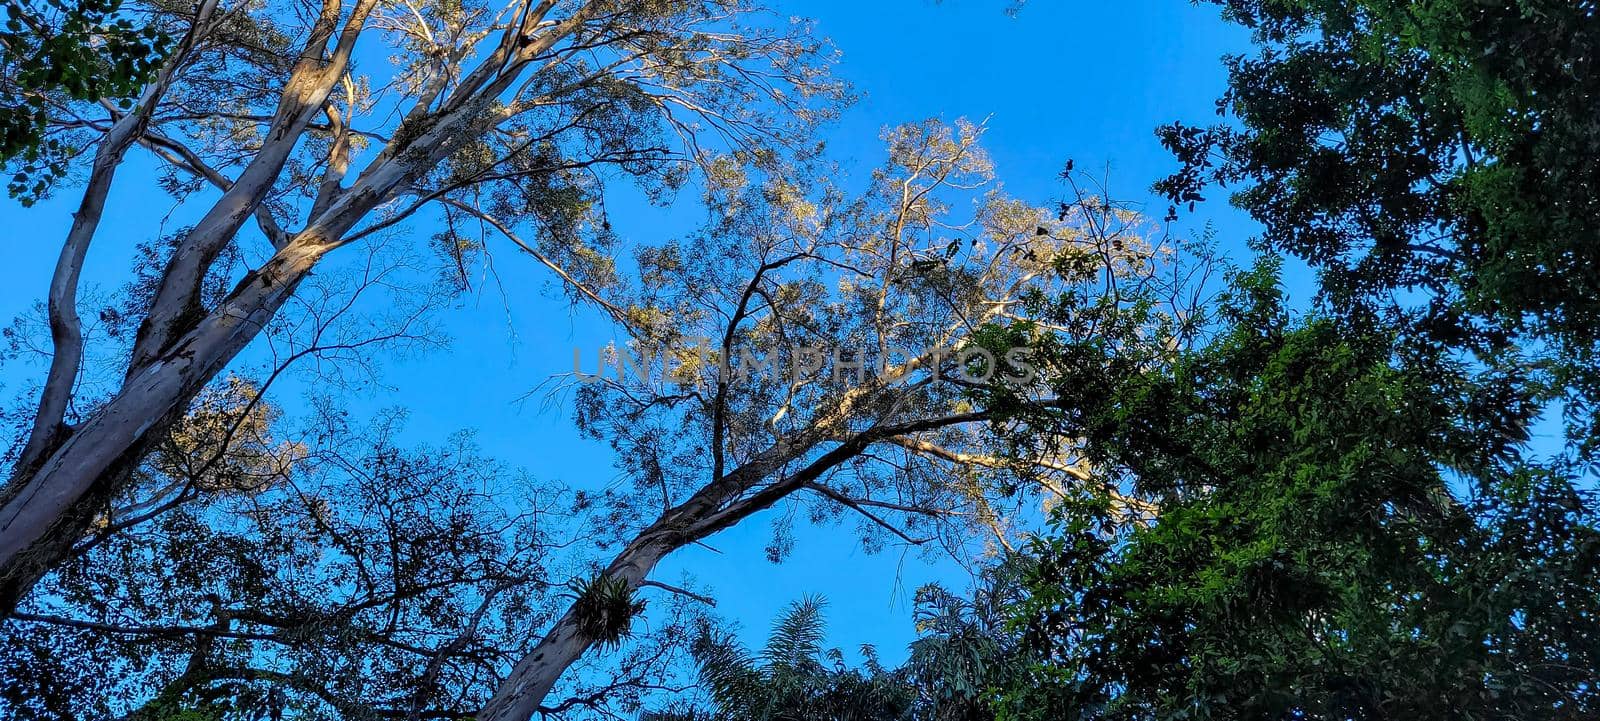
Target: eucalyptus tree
(883, 323)
(926, 278)
(306, 128)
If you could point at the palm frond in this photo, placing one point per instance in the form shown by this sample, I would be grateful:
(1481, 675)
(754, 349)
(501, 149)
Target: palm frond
(796, 639)
(729, 674)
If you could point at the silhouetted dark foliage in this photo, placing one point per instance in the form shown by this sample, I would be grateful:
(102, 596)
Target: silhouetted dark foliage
(1445, 154)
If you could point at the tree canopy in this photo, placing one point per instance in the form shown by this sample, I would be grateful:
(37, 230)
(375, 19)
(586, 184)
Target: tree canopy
(1179, 489)
(1338, 536)
(1441, 154)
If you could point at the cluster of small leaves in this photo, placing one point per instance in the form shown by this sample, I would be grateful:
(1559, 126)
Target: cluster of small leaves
(64, 49)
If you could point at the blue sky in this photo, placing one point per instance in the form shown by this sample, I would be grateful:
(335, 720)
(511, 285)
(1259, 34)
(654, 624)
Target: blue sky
(1065, 79)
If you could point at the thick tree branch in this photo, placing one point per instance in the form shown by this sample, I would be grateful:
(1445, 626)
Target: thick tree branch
(66, 329)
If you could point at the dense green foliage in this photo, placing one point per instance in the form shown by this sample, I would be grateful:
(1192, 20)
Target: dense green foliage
(54, 51)
(1449, 147)
(1347, 530)
(1352, 519)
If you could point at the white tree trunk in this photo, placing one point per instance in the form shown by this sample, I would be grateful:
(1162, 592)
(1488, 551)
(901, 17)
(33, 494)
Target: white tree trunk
(520, 696)
(715, 507)
(45, 515)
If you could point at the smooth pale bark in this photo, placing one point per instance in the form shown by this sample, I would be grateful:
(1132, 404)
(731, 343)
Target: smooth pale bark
(303, 97)
(719, 505)
(523, 692)
(50, 504)
(520, 696)
(51, 510)
(53, 497)
(66, 329)
(53, 507)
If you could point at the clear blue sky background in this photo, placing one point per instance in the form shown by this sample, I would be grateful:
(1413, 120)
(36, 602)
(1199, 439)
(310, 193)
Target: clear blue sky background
(1064, 79)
